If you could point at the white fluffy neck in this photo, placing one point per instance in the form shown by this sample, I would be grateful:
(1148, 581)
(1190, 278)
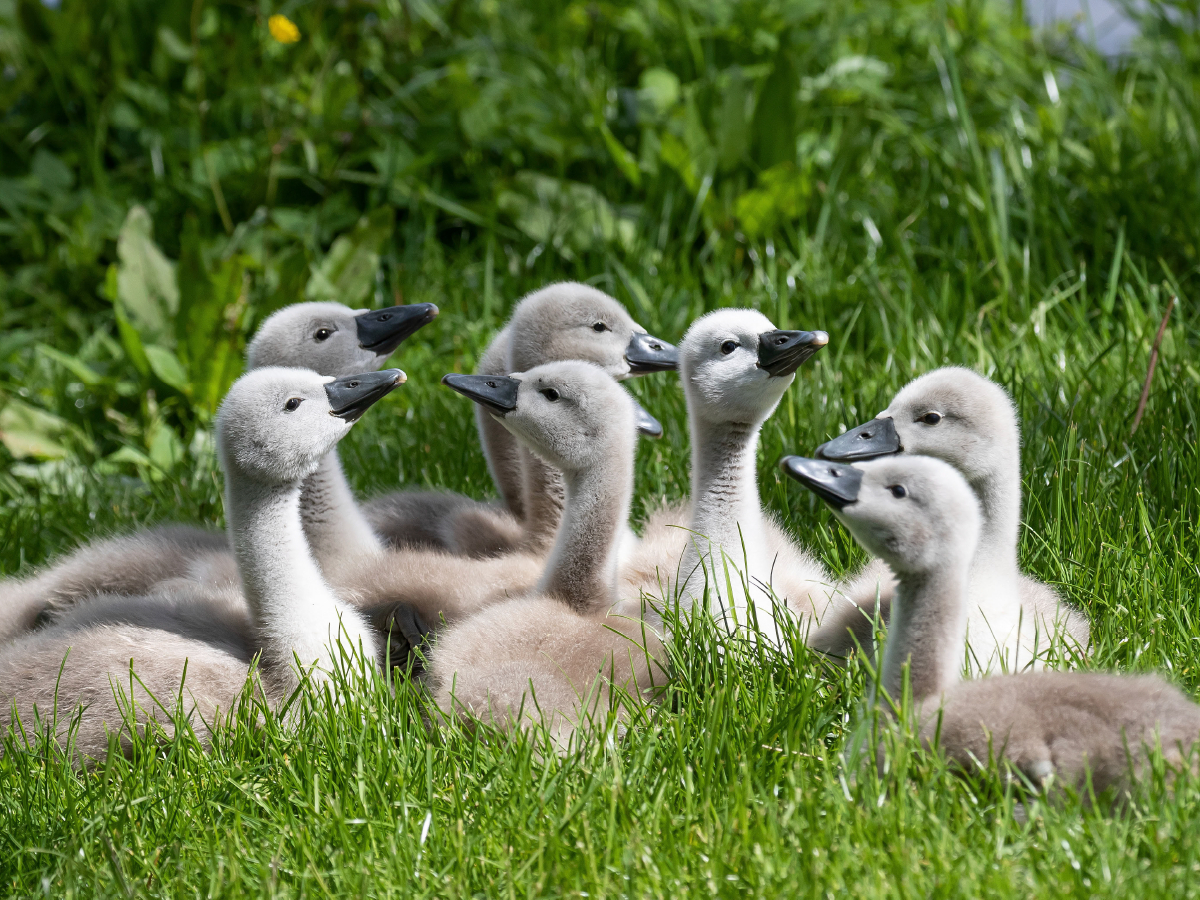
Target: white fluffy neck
(728, 525)
(333, 524)
(995, 623)
(295, 611)
(583, 565)
(545, 500)
(927, 630)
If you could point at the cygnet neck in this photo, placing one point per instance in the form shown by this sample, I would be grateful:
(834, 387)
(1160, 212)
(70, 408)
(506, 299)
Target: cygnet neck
(334, 526)
(927, 630)
(1000, 503)
(544, 500)
(582, 570)
(726, 513)
(294, 609)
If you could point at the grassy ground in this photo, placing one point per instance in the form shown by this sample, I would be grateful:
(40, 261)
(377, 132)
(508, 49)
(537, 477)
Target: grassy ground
(953, 194)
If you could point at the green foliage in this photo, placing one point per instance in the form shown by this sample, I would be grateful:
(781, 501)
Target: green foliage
(929, 183)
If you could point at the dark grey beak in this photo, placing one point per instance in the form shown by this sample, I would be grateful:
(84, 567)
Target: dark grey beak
(383, 330)
(496, 392)
(834, 483)
(646, 354)
(647, 425)
(869, 440)
(783, 352)
(351, 396)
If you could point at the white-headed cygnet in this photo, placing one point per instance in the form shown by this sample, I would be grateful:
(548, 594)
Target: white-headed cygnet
(735, 366)
(922, 518)
(557, 654)
(328, 338)
(559, 322)
(274, 428)
(961, 417)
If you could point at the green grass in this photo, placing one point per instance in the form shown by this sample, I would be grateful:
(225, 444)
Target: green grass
(928, 202)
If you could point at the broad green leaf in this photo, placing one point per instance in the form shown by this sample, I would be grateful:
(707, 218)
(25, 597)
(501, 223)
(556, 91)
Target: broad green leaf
(347, 273)
(167, 367)
(146, 291)
(28, 431)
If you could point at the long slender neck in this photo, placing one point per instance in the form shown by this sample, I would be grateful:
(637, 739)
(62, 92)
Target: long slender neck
(727, 554)
(296, 612)
(927, 630)
(545, 498)
(583, 566)
(726, 510)
(501, 449)
(1000, 502)
(333, 524)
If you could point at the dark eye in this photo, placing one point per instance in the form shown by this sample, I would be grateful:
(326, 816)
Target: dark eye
(323, 334)
(550, 394)
(293, 404)
(599, 326)
(728, 347)
(898, 491)
(931, 418)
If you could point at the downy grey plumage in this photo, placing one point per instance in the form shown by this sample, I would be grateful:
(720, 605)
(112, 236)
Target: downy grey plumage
(921, 516)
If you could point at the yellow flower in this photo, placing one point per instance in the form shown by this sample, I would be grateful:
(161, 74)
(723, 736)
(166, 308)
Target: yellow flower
(283, 29)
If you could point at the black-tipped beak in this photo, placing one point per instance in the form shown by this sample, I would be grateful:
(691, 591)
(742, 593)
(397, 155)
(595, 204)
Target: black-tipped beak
(835, 483)
(351, 396)
(383, 330)
(869, 440)
(646, 354)
(783, 352)
(496, 392)
(647, 425)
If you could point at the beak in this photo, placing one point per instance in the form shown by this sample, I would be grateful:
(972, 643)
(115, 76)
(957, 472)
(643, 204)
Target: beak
(351, 396)
(647, 425)
(496, 392)
(783, 352)
(834, 483)
(647, 353)
(383, 330)
(869, 440)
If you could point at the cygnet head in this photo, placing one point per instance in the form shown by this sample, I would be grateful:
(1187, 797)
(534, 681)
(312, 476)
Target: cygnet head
(736, 364)
(333, 339)
(574, 321)
(275, 424)
(951, 413)
(572, 414)
(916, 513)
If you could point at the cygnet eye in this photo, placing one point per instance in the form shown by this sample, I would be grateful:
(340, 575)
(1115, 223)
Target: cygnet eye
(728, 347)
(549, 393)
(599, 326)
(898, 491)
(931, 418)
(293, 404)
(322, 334)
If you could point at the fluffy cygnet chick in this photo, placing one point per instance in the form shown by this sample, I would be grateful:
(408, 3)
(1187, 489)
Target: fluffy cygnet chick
(920, 516)
(273, 430)
(735, 366)
(567, 321)
(328, 338)
(961, 417)
(557, 655)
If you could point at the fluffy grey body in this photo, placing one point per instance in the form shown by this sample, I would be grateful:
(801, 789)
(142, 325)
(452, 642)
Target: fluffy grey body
(966, 420)
(558, 655)
(1058, 729)
(274, 429)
